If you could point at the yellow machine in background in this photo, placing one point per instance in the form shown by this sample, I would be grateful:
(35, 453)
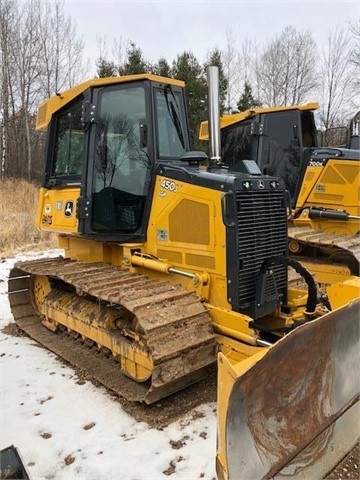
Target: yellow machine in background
(168, 263)
(323, 182)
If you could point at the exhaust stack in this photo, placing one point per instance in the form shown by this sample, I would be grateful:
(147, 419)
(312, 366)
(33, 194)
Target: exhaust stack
(214, 115)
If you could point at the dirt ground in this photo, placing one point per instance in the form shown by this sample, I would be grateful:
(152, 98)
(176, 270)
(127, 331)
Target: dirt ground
(174, 407)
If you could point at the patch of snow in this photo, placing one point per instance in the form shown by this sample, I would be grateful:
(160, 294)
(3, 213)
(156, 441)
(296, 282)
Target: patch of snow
(69, 431)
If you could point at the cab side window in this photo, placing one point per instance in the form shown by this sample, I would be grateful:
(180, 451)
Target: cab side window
(69, 143)
(236, 143)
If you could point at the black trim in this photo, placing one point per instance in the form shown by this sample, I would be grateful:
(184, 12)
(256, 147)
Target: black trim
(324, 154)
(50, 179)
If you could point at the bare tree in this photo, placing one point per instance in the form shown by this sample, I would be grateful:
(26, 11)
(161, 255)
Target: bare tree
(26, 57)
(102, 46)
(355, 31)
(285, 70)
(110, 64)
(6, 19)
(62, 65)
(119, 50)
(40, 54)
(246, 65)
(229, 56)
(355, 58)
(338, 77)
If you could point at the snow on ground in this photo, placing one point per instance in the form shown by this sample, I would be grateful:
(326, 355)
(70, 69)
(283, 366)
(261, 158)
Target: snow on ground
(69, 431)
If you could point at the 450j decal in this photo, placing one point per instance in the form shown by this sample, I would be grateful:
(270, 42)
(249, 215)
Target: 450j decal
(169, 185)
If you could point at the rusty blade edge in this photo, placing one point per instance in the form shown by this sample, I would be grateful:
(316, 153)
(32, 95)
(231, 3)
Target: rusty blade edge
(282, 463)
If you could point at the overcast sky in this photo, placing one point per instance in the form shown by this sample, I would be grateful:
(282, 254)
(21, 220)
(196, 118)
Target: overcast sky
(169, 27)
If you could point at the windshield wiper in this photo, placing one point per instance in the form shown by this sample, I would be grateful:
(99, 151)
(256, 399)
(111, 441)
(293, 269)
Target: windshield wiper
(173, 113)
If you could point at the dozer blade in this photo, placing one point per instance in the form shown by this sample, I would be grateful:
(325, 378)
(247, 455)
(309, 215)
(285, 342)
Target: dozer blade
(292, 412)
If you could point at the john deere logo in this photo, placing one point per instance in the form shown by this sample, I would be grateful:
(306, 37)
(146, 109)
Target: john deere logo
(69, 207)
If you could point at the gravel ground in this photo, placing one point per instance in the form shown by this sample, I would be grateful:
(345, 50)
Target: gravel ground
(349, 467)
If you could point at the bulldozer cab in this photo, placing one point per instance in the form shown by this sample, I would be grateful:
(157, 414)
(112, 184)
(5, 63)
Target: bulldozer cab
(107, 142)
(277, 139)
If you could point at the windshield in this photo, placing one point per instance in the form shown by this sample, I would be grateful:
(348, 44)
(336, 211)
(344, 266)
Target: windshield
(170, 124)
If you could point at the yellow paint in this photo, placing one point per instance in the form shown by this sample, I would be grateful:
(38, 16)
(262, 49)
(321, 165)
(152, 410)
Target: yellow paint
(230, 323)
(53, 214)
(327, 273)
(187, 222)
(134, 361)
(334, 186)
(227, 374)
(341, 293)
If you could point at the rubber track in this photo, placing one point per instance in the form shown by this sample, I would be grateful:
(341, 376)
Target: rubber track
(176, 328)
(316, 238)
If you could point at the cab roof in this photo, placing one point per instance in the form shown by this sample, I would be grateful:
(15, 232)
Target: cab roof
(227, 120)
(47, 108)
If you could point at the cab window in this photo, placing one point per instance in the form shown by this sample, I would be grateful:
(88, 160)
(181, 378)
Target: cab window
(170, 124)
(122, 165)
(236, 143)
(281, 153)
(69, 143)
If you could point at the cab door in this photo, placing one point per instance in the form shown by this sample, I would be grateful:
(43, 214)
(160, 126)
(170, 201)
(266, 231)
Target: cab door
(119, 167)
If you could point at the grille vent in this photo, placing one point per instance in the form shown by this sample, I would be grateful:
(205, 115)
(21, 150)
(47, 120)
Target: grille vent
(262, 233)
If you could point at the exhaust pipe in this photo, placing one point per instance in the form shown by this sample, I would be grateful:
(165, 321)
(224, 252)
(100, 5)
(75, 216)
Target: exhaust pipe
(214, 115)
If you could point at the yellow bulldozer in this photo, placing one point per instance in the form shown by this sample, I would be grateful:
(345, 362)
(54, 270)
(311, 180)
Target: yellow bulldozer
(323, 182)
(171, 264)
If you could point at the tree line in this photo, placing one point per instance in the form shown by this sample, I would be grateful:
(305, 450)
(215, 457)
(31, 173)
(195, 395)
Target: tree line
(41, 54)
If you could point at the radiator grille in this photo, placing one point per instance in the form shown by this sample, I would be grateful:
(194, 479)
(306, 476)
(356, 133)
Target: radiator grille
(262, 233)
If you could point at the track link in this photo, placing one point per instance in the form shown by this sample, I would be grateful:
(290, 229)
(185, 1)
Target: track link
(344, 244)
(172, 325)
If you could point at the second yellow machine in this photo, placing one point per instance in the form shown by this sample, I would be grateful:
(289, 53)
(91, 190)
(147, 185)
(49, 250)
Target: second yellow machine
(323, 182)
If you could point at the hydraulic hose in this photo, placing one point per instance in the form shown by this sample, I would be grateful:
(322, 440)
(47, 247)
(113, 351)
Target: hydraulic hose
(289, 262)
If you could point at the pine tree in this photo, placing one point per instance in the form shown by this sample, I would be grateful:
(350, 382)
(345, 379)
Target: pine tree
(247, 101)
(135, 63)
(216, 61)
(105, 68)
(162, 68)
(187, 68)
